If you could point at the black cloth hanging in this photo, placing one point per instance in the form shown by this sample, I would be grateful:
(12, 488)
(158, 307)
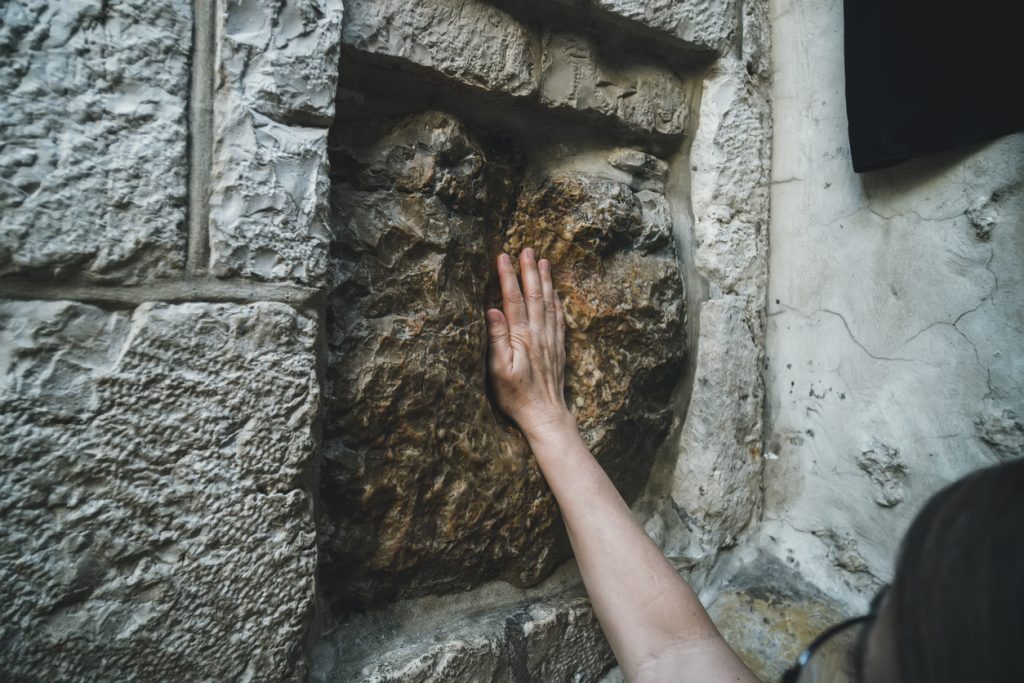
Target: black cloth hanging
(925, 77)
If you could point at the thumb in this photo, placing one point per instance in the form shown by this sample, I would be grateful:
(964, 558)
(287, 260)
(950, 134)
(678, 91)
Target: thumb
(498, 337)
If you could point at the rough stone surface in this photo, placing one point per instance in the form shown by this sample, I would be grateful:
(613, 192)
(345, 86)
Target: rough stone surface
(896, 304)
(885, 467)
(426, 488)
(637, 91)
(703, 24)
(273, 103)
(624, 313)
(768, 614)
(716, 486)
(93, 138)
(717, 477)
(731, 163)
(154, 521)
(469, 41)
(1002, 431)
(649, 172)
(555, 638)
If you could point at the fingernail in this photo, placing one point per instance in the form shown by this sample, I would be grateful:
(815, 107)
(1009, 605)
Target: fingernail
(504, 258)
(545, 264)
(528, 252)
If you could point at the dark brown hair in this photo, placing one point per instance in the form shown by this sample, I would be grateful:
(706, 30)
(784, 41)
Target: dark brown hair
(959, 586)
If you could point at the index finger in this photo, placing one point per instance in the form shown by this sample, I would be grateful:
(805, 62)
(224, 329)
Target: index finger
(511, 297)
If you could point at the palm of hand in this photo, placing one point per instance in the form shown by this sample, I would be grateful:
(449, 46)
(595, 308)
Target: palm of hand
(527, 344)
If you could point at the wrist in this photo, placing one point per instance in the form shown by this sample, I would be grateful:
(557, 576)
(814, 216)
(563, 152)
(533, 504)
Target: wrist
(553, 426)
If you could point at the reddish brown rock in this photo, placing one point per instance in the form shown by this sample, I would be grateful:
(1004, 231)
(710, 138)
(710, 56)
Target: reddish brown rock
(426, 487)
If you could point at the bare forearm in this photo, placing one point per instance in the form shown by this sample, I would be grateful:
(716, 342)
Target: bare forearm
(654, 622)
(651, 617)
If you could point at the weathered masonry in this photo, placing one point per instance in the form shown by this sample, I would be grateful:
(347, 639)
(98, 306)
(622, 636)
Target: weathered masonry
(245, 250)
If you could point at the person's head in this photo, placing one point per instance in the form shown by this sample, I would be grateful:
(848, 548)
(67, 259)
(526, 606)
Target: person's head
(955, 610)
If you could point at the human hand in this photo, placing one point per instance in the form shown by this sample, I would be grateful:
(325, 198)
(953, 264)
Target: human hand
(527, 347)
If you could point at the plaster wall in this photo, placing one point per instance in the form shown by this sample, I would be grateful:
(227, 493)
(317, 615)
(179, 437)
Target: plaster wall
(895, 321)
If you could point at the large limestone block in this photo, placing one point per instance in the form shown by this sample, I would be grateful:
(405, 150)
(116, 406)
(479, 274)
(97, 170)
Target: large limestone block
(717, 482)
(277, 73)
(155, 524)
(731, 166)
(637, 91)
(93, 138)
(426, 487)
(469, 41)
(550, 638)
(705, 25)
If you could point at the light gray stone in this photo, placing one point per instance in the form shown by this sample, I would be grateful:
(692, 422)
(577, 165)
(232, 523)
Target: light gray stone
(273, 103)
(469, 41)
(152, 468)
(1002, 431)
(640, 165)
(93, 138)
(554, 638)
(639, 92)
(886, 468)
(731, 162)
(707, 25)
(717, 480)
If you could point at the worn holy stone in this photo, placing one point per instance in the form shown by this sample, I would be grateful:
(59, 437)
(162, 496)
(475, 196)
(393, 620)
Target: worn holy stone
(426, 487)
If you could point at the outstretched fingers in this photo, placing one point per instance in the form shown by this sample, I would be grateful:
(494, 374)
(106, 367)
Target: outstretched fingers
(533, 292)
(559, 328)
(548, 289)
(499, 339)
(512, 302)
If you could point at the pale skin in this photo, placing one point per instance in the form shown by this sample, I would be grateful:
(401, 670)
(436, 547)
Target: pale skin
(657, 628)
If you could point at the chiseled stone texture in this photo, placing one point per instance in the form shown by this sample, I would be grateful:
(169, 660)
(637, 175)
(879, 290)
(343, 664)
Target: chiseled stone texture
(731, 163)
(638, 91)
(155, 525)
(274, 95)
(469, 41)
(93, 138)
(707, 25)
(426, 487)
(718, 476)
(717, 481)
(551, 638)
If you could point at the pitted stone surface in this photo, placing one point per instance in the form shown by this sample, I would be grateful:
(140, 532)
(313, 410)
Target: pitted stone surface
(639, 92)
(623, 299)
(731, 164)
(425, 487)
(93, 138)
(768, 614)
(555, 638)
(273, 103)
(154, 521)
(469, 41)
(702, 24)
(717, 482)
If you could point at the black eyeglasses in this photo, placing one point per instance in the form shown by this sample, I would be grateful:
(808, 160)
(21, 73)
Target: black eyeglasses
(835, 655)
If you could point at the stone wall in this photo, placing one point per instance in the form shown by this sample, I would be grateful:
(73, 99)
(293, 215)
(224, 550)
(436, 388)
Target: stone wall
(895, 315)
(245, 250)
(159, 404)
